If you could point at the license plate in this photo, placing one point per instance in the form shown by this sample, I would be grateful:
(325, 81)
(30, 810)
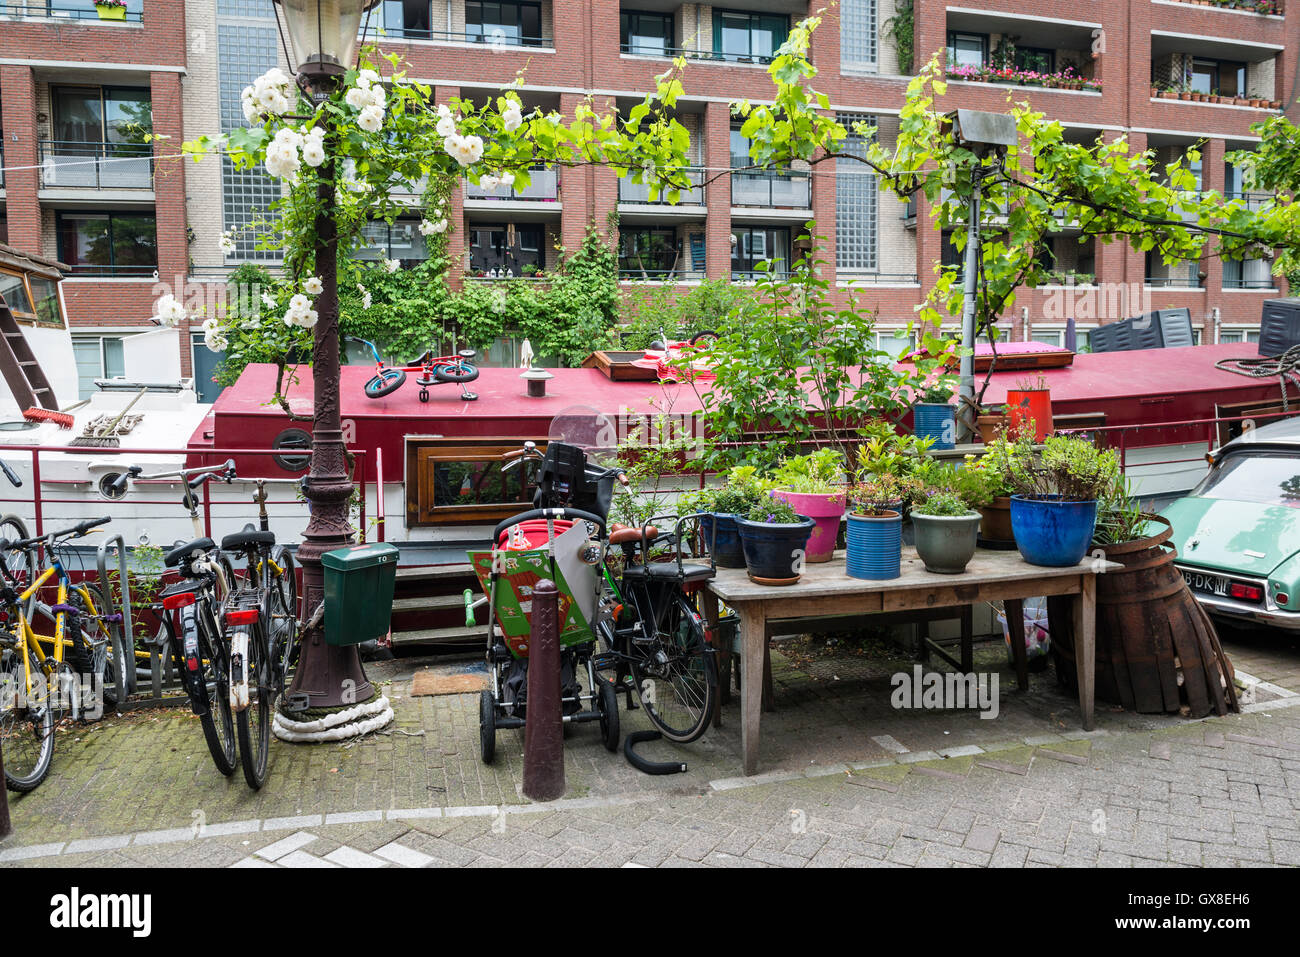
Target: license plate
(1211, 584)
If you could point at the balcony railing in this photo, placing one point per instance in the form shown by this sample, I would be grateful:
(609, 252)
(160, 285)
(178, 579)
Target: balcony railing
(630, 192)
(489, 37)
(68, 164)
(543, 188)
(1174, 282)
(61, 11)
(690, 53)
(631, 274)
(777, 189)
(1238, 283)
(1251, 200)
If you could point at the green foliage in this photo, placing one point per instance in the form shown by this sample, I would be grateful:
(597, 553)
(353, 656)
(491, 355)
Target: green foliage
(1072, 468)
(876, 496)
(970, 485)
(942, 503)
(1120, 517)
(886, 452)
(653, 455)
(816, 473)
(901, 26)
(678, 312)
(742, 488)
(774, 511)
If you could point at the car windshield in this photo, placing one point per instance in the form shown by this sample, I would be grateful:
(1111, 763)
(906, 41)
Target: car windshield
(1269, 478)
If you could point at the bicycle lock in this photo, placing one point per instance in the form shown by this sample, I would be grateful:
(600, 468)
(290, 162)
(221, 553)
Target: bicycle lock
(543, 723)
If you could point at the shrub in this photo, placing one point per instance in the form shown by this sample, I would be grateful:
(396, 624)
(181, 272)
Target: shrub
(774, 511)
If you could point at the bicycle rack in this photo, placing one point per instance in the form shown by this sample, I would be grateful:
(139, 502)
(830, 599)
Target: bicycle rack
(122, 631)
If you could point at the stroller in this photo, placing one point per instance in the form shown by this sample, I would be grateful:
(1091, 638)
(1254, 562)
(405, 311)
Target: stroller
(563, 538)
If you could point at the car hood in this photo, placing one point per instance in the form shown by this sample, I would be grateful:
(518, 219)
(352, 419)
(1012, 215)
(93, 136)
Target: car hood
(1241, 537)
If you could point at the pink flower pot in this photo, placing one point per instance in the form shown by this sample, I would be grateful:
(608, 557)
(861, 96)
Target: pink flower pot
(826, 511)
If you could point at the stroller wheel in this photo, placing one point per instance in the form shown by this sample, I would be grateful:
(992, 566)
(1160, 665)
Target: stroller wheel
(607, 701)
(487, 726)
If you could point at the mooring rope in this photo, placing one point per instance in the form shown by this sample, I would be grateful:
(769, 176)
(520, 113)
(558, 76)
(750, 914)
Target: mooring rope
(1262, 367)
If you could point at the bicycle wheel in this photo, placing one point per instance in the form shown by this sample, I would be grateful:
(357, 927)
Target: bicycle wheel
(212, 686)
(91, 653)
(384, 382)
(254, 722)
(704, 339)
(20, 562)
(460, 371)
(282, 615)
(26, 723)
(676, 676)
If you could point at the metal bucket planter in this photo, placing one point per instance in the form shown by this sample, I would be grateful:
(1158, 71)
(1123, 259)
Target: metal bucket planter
(873, 549)
(946, 543)
(935, 420)
(1157, 650)
(775, 551)
(727, 551)
(1030, 405)
(1052, 532)
(826, 510)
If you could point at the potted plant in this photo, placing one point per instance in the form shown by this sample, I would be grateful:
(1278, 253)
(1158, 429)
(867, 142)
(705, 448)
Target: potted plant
(932, 416)
(874, 543)
(111, 9)
(991, 422)
(1054, 505)
(775, 540)
(992, 468)
(813, 485)
(947, 530)
(1029, 407)
(742, 489)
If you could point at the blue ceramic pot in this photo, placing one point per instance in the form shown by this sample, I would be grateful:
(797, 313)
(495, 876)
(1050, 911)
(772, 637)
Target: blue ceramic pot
(874, 546)
(1052, 532)
(933, 420)
(727, 551)
(775, 550)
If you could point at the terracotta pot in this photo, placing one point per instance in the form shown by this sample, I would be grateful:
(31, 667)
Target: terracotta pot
(990, 425)
(995, 521)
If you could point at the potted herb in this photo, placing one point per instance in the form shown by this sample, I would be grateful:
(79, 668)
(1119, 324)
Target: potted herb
(874, 541)
(111, 9)
(775, 540)
(1054, 508)
(813, 485)
(991, 422)
(932, 415)
(947, 529)
(741, 491)
(1029, 407)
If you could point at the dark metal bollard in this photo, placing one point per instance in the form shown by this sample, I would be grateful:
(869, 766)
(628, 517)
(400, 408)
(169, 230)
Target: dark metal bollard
(543, 722)
(5, 826)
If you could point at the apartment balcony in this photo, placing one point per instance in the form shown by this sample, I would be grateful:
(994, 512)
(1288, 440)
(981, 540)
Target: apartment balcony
(72, 165)
(762, 195)
(1007, 49)
(485, 35)
(540, 199)
(1252, 201)
(635, 204)
(634, 274)
(67, 11)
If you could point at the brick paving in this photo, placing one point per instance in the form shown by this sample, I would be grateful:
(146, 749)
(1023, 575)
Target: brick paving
(1028, 789)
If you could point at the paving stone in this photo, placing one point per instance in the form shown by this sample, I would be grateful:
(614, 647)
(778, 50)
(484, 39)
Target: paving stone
(285, 846)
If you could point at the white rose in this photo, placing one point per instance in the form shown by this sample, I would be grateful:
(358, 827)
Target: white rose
(313, 152)
(512, 119)
(299, 303)
(443, 110)
(392, 265)
(426, 228)
(371, 119)
(378, 97)
(312, 286)
(227, 243)
(307, 318)
(215, 341)
(475, 146)
(168, 311)
(365, 299)
(489, 182)
(367, 77)
(507, 179)
(358, 98)
(440, 226)
(268, 300)
(446, 126)
(210, 324)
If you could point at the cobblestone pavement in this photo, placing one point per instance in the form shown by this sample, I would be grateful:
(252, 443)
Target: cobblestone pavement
(845, 780)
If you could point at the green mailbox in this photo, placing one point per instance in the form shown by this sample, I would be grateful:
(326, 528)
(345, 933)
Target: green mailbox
(359, 592)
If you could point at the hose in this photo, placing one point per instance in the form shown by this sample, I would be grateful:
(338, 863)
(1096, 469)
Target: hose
(337, 726)
(643, 764)
(1263, 367)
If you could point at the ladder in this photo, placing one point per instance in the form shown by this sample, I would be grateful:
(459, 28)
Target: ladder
(22, 372)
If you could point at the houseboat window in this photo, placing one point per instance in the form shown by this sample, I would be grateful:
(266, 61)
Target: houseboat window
(1265, 478)
(14, 290)
(46, 294)
(461, 481)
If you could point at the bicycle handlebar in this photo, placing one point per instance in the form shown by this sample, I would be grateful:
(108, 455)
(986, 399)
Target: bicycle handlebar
(10, 474)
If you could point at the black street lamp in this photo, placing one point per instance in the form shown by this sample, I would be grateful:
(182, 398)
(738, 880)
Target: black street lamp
(323, 38)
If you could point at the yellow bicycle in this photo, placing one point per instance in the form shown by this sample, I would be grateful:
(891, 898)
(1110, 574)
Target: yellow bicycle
(38, 687)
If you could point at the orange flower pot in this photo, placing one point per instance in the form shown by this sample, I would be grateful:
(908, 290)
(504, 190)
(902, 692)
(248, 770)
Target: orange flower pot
(1030, 405)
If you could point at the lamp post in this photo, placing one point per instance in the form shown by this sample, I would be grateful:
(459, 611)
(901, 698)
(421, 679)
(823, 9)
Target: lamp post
(322, 42)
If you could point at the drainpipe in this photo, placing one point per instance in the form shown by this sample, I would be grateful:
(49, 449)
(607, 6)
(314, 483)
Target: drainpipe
(1217, 323)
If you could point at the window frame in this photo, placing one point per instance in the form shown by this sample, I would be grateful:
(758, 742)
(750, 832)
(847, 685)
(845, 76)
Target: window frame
(950, 47)
(625, 31)
(523, 40)
(720, 14)
(112, 269)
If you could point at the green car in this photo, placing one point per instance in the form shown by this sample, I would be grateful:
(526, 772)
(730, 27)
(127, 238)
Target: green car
(1238, 532)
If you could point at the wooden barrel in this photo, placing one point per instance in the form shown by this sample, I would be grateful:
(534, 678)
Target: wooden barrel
(1157, 651)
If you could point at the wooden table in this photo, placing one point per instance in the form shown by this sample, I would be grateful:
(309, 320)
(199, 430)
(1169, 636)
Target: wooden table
(826, 590)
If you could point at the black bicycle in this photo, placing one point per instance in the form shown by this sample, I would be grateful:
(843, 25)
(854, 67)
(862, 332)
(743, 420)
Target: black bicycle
(262, 634)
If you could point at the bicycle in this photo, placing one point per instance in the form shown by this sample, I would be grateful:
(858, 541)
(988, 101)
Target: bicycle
(262, 630)
(433, 370)
(35, 686)
(192, 611)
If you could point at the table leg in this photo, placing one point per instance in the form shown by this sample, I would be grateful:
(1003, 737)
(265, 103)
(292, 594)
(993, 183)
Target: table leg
(1015, 611)
(753, 634)
(769, 694)
(967, 639)
(722, 656)
(1085, 645)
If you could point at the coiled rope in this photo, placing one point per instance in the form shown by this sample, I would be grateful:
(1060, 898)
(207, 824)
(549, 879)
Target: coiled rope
(1264, 367)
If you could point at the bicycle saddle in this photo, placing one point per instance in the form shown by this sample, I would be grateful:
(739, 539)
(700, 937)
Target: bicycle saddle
(627, 535)
(247, 538)
(182, 552)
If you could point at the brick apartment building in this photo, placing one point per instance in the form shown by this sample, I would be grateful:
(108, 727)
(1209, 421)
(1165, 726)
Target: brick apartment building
(73, 88)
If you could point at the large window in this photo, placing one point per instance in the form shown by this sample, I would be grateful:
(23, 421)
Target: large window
(1247, 274)
(648, 253)
(244, 52)
(121, 244)
(514, 24)
(748, 37)
(1222, 77)
(401, 241)
(856, 202)
(858, 35)
(1036, 59)
(508, 250)
(97, 357)
(967, 49)
(95, 114)
(406, 18)
(751, 246)
(646, 33)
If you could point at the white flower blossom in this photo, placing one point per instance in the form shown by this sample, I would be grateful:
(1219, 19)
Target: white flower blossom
(215, 340)
(446, 126)
(268, 300)
(169, 311)
(392, 265)
(227, 243)
(299, 303)
(312, 286)
(512, 118)
(358, 98)
(365, 296)
(371, 119)
(465, 150)
(313, 152)
(507, 179)
(489, 182)
(366, 77)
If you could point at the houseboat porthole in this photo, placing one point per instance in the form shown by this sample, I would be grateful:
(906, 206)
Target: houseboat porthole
(292, 439)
